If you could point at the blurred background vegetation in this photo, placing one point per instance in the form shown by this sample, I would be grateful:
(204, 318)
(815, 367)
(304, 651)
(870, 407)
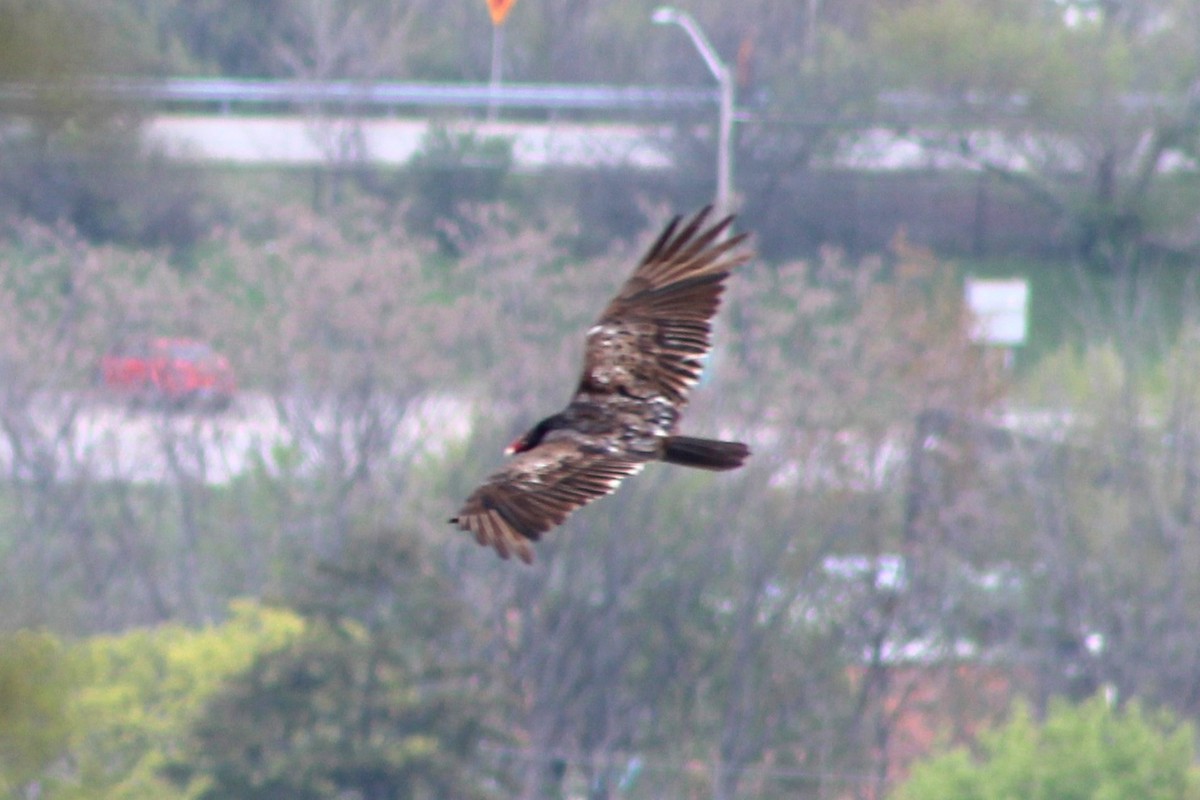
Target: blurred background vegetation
(929, 531)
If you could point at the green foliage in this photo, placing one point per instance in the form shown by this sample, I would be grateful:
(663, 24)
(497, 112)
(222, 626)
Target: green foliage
(77, 157)
(1090, 107)
(103, 182)
(1071, 377)
(63, 40)
(372, 699)
(53, 48)
(960, 45)
(1080, 751)
(140, 690)
(221, 37)
(36, 676)
(453, 170)
(1001, 51)
(1090, 377)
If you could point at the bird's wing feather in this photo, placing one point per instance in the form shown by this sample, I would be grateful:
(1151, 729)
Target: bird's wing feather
(537, 490)
(650, 339)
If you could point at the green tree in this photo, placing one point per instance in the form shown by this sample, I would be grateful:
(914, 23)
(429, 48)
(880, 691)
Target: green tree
(75, 154)
(138, 692)
(1089, 750)
(1081, 105)
(51, 45)
(372, 700)
(36, 676)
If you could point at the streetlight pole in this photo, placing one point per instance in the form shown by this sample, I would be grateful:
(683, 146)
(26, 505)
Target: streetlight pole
(497, 68)
(667, 15)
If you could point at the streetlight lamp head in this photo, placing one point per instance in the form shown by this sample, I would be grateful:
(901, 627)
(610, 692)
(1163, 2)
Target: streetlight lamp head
(667, 15)
(664, 15)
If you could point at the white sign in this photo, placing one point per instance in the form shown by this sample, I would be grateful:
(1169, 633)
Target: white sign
(1000, 310)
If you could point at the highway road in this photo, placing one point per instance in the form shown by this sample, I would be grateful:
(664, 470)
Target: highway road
(298, 141)
(100, 438)
(279, 140)
(108, 440)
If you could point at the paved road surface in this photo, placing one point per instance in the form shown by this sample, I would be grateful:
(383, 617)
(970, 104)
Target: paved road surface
(111, 441)
(300, 141)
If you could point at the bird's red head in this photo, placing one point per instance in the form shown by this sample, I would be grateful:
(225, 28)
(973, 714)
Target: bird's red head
(518, 445)
(533, 437)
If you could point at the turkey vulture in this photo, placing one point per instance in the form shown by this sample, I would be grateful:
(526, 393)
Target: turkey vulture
(642, 357)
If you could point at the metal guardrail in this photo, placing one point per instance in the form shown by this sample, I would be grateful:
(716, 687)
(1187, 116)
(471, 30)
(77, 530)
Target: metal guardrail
(228, 92)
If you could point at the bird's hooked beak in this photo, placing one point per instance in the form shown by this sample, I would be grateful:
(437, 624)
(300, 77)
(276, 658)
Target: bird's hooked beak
(517, 445)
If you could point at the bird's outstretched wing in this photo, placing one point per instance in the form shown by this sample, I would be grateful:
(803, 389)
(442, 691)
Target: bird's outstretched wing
(645, 354)
(650, 340)
(535, 491)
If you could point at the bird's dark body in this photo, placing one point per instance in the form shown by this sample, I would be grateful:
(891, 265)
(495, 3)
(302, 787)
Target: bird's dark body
(641, 358)
(609, 425)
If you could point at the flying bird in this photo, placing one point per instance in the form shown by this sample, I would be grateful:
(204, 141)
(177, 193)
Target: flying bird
(641, 359)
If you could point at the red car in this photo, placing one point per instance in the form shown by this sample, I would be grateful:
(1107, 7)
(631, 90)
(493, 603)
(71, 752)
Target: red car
(171, 371)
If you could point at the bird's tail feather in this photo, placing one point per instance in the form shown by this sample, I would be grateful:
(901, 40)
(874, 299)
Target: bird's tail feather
(688, 451)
